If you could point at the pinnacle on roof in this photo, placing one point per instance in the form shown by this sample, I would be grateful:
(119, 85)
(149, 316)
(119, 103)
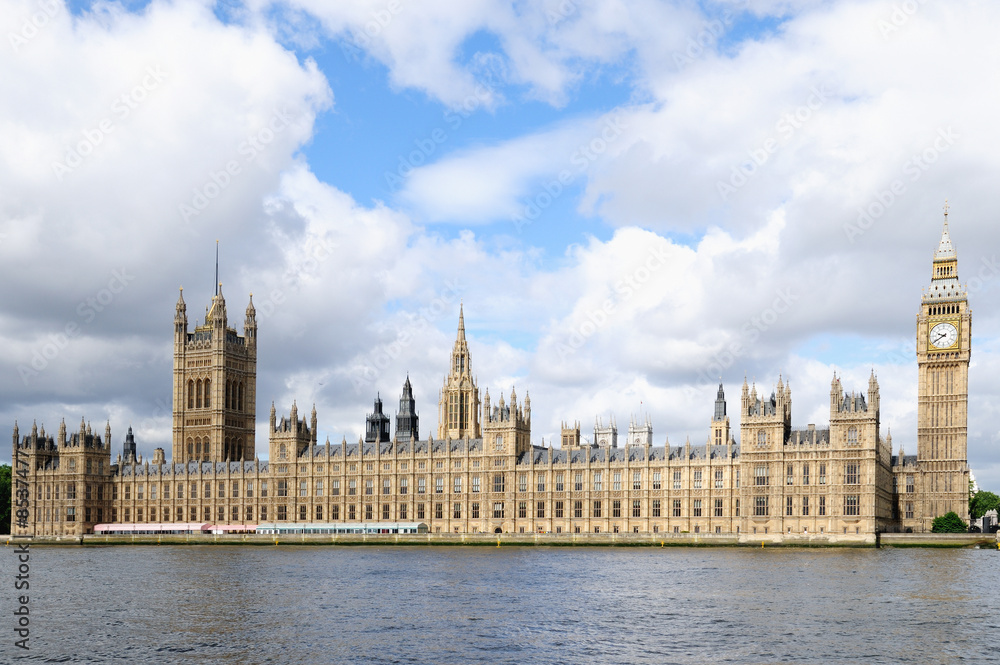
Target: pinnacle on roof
(461, 322)
(945, 249)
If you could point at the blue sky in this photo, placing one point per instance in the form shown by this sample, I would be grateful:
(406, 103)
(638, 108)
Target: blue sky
(693, 167)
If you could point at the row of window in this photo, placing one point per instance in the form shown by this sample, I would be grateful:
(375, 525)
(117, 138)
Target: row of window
(852, 475)
(199, 394)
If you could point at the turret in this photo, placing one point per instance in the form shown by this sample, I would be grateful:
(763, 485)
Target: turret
(180, 316)
(313, 423)
(250, 324)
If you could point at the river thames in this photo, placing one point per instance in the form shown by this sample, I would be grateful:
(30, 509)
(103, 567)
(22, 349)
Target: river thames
(223, 604)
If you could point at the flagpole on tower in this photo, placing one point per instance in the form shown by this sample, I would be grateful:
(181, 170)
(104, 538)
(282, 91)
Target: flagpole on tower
(216, 266)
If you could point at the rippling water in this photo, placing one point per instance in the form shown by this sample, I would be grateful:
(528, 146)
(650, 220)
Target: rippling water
(510, 605)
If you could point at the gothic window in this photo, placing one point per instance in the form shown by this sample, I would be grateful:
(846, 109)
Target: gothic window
(656, 481)
(208, 393)
(851, 474)
(677, 480)
(851, 506)
(597, 482)
(852, 436)
(498, 510)
(656, 507)
(636, 508)
(718, 507)
(637, 480)
(386, 486)
(760, 475)
(805, 474)
(597, 509)
(697, 480)
(696, 508)
(909, 483)
(197, 393)
(190, 394)
(718, 479)
(282, 451)
(498, 484)
(805, 506)
(790, 480)
(475, 510)
(761, 438)
(760, 507)
(229, 386)
(499, 443)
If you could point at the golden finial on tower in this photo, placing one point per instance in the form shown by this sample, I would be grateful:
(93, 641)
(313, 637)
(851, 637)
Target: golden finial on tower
(946, 210)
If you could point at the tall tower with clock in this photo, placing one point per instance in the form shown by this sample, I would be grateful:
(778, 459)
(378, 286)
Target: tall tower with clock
(944, 335)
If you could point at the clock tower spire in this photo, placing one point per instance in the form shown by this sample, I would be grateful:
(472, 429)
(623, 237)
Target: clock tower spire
(944, 335)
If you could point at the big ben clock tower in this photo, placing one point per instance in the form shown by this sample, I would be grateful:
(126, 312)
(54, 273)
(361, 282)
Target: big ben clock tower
(944, 335)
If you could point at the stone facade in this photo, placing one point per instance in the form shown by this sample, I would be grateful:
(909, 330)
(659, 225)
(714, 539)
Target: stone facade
(482, 474)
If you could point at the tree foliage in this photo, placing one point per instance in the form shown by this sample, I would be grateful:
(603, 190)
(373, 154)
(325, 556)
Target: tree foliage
(5, 498)
(949, 523)
(981, 502)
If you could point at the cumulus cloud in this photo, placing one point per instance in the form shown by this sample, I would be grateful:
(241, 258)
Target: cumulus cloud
(777, 180)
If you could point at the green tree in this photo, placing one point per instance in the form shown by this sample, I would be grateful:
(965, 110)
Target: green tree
(5, 498)
(981, 502)
(949, 523)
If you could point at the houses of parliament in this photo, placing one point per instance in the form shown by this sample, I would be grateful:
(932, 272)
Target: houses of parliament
(482, 473)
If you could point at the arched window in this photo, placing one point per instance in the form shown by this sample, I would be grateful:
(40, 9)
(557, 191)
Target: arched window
(197, 394)
(197, 447)
(208, 393)
(229, 385)
(761, 438)
(239, 400)
(190, 447)
(281, 451)
(205, 448)
(499, 442)
(239, 450)
(852, 436)
(190, 394)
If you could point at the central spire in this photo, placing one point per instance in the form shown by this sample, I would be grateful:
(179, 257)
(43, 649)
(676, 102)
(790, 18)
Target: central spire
(216, 266)
(945, 249)
(461, 322)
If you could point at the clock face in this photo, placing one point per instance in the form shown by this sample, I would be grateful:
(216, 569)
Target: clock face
(943, 335)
